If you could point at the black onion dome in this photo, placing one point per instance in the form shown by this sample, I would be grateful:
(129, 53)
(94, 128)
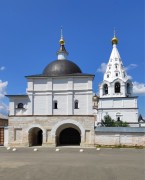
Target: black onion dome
(61, 67)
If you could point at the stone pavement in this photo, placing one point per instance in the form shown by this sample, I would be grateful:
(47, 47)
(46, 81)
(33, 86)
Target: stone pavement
(70, 164)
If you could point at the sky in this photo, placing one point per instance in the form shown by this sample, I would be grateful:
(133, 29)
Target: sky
(30, 33)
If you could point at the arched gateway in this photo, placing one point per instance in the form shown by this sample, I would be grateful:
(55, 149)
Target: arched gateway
(35, 137)
(69, 136)
(68, 132)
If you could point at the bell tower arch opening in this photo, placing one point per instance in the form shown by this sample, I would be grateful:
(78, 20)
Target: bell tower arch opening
(105, 89)
(117, 87)
(128, 86)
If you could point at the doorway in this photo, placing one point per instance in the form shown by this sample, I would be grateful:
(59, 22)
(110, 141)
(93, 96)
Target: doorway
(35, 137)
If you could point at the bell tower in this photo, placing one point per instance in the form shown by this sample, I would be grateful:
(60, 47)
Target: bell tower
(115, 92)
(115, 82)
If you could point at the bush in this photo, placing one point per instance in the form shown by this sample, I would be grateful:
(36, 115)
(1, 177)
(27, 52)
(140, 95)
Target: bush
(109, 122)
(121, 124)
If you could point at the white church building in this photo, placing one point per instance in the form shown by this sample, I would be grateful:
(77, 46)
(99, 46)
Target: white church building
(58, 106)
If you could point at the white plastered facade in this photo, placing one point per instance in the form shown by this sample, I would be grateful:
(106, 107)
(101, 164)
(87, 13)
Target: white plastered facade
(116, 98)
(38, 110)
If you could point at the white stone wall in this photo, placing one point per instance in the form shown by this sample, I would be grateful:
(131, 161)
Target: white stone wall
(40, 104)
(42, 92)
(126, 115)
(117, 103)
(80, 84)
(125, 108)
(60, 84)
(40, 84)
(19, 127)
(6, 136)
(61, 104)
(112, 138)
(13, 105)
(142, 124)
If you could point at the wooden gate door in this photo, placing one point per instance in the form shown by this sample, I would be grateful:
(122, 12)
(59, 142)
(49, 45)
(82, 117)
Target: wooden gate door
(1, 136)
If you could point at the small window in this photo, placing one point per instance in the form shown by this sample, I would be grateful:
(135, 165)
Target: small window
(116, 74)
(117, 87)
(20, 105)
(76, 104)
(107, 75)
(55, 105)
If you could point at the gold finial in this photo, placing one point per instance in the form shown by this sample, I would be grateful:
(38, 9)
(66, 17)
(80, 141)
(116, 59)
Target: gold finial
(114, 39)
(61, 41)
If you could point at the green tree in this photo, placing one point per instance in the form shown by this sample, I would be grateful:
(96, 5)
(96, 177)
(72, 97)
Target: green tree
(109, 122)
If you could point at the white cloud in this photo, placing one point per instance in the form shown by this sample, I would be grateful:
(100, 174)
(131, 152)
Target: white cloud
(3, 106)
(3, 86)
(129, 77)
(103, 67)
(2, 68)
(130, 67)
(138, 88)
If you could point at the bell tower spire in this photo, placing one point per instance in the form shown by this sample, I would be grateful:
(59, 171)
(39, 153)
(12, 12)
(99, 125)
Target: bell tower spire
(115, 68)
(116, 82)
(62, 53)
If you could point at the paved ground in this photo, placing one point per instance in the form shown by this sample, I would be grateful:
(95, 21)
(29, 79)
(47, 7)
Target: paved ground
(70, 164)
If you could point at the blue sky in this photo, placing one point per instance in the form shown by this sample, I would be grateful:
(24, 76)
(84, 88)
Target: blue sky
(30, 31)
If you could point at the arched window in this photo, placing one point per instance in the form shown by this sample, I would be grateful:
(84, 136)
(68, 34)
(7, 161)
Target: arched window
(55, 105)
(117, 87)
(20, 105)
(105, 89)
(118, 118)
(76, 104)
(128, 88)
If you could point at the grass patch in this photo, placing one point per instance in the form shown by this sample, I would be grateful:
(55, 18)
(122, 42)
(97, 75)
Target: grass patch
(119, 146)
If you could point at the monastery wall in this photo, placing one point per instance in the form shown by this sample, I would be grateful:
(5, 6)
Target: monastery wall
(120, 136)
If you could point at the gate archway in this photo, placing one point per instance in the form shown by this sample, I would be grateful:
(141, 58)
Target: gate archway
(69, 123)
(69, 136)
(35, 137)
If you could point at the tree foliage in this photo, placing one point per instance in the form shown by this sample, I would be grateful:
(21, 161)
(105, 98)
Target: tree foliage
(109, 122)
